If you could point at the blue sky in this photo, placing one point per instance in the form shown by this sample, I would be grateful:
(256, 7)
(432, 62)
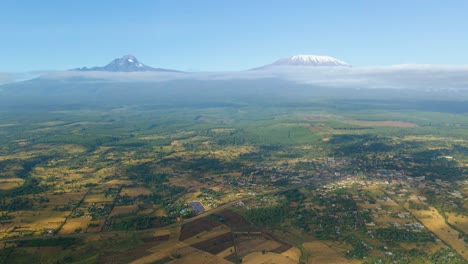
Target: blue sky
(229, 35)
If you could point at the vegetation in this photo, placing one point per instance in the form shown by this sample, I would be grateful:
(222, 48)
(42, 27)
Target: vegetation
(361, 177)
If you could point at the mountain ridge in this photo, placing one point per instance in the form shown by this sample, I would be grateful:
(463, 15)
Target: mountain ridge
(127, 63)
(306, 60)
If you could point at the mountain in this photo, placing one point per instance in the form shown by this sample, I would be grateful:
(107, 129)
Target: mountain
(307, 60)
(127, 63)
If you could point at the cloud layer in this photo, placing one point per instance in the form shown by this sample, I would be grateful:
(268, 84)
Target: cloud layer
(6, 77)
(427, 77)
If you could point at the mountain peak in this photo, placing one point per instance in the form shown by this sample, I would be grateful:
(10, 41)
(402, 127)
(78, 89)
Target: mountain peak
(307, 60)
(127, 63)
(310, 60)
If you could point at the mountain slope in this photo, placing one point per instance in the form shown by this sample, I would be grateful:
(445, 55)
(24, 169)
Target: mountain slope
(127, 63)
(307, 60)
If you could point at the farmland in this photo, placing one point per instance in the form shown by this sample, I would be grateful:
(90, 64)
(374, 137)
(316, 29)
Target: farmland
(322, 182)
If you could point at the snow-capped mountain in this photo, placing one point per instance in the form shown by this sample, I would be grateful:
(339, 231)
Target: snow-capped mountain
(127, 63)
(307, 60)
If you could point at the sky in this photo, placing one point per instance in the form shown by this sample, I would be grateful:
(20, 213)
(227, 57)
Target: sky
(213, 35)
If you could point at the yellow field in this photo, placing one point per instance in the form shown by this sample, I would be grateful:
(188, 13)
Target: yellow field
(74, 223)
(97, 198)
(26, 221)
(321, 253)
(198, 256)
(161, 251)
(217, 231)
(228, 251)
(436, 223)
(460, 221)
(267, 258)
(293, 253)
(115, 183)
(10, 183)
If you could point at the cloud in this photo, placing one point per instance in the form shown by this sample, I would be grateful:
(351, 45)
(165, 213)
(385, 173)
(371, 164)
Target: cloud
(16, 77)
(398, 76)
(427, 77)
(6, 77)
(115, 76)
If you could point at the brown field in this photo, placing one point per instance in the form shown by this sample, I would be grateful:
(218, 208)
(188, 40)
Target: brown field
(216, 231)
(135, 191)
(124, 209)
(436, 223)
(161, 251)
(132, 254)
(246, 246)
(65, 198)
(235, 221)
(216, 244)
(162, 232)
(190, 229)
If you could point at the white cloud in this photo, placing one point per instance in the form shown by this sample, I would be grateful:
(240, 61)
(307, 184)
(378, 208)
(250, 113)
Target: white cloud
(6, 77)
(428, 77)
(15, 77)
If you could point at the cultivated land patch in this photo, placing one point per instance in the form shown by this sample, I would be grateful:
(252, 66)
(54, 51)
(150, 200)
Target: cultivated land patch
(459, 221)
(319, 252)
(248, 244)
(216, 244)
(436, 223)
(193, 228)
(293, 253)
(234, 221)
(192, 255)
(135, 191)
(119, 257)
(75, 225)
(10, 183)
(267, 258)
